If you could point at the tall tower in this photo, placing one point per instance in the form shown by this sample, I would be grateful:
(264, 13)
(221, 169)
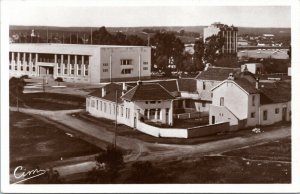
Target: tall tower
(229, 33)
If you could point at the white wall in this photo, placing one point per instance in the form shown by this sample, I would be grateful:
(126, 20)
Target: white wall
(113, 56)
(272, 117)
(235, 99)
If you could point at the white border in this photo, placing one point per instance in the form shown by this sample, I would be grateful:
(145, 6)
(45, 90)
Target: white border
(162, 188)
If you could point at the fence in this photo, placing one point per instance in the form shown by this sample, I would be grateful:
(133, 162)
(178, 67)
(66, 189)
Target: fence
(191, 115)
(207, 130)
(182, 133)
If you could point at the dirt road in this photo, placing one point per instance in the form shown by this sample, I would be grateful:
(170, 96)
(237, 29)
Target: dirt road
(139, 150)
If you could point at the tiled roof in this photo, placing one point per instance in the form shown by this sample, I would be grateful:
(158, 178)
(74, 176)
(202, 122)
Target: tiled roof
(275, 93)
(246, 85)
(147, 91)
(217, 73)
(187, 84)
(110, 92)
(170, 85)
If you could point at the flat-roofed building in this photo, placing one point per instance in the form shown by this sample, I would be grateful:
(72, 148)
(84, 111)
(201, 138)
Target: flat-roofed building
(80, 63)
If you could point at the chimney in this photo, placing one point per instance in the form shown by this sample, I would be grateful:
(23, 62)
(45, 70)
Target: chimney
(124, 88)
(103, 91)
(257, 82)
(231, 77)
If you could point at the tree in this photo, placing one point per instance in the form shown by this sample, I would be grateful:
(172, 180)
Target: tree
(198, 54)
(213, 48)
(108, 164)
(167, 47)
(16, 87)
(58, 80)
(102, 36)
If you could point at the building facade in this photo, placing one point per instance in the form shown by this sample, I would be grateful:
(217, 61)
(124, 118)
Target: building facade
(80, 63)
(244, 104)
(138, 103)
(228, 33)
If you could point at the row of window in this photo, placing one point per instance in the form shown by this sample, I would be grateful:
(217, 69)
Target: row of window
(110, 108)
(71, 70)
(152, 102)
(21, 68)
(49, 58)
(265, 113)
(127, 62)
(150, 113)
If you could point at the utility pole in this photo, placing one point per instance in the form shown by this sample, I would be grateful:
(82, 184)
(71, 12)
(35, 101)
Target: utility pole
(91, 36)
(77, 37)
(44, 84)
(17, 92)
(116, 122)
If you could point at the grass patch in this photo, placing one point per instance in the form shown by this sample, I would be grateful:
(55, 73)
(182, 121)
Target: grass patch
(33, 141)
(277, 150)
(50, 101)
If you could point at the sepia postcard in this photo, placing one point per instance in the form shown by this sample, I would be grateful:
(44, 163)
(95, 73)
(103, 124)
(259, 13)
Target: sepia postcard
(145, 96)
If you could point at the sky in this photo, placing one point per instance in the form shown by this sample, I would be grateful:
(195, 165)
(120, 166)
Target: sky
(87, 15)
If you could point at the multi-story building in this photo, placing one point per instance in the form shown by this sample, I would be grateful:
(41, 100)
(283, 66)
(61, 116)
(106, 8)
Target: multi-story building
(80, 63)
(229, 33)
(244, 104)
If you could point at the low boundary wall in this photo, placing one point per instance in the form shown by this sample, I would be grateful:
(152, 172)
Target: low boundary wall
(184, 132)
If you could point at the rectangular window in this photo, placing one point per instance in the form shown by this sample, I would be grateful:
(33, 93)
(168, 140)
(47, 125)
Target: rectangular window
(104, 107)
(66, 69)
(204, 86)
(33, 68)
(158, 114)
(27, 68)
(105, 70)
(72, 69)
(97, 105)
(126, 61)
(100, 105)
(253, 115)
(126, 71)
(276, 110)
(93, 103)
(145, 63)
(86, 67)
(105, 64)
(79, 69)
(265, 114)
(146, 113)
(16, 67)
(152, 113)
(145, 68)
(203, 105)
(152, 102)
(9, 67)
(253, 100)
(146, 102)
(122, 111)
(222, 101)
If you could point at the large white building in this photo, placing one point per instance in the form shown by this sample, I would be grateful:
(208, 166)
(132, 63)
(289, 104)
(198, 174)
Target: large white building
(80, 63)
